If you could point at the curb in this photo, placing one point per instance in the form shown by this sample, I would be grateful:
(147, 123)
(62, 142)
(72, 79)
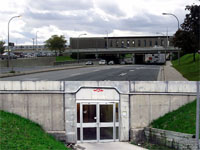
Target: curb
(40, 71)
(161, 74)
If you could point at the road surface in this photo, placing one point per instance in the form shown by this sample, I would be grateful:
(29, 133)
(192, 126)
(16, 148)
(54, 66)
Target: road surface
(97, 73)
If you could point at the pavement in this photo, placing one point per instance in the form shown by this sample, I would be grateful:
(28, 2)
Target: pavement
(169, 73)
(166, 73)
(108, 146)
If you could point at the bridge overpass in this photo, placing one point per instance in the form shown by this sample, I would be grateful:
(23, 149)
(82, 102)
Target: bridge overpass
(142, 50)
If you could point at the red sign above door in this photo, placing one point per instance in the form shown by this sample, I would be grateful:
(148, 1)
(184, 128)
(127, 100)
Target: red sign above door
(98, 90)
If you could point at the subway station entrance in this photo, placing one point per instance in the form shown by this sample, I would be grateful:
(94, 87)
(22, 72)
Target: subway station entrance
(97, 121)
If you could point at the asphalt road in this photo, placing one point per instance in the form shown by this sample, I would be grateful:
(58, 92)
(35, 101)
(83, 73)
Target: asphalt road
(98, 73)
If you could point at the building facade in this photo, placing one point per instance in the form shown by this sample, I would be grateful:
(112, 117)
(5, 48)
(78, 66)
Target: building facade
(120, 42)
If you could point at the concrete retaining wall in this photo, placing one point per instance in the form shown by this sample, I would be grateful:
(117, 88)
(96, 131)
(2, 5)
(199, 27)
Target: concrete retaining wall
(52, 104)
(170, 139)
(39, 61)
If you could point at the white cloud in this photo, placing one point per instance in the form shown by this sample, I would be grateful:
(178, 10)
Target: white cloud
(73, 17)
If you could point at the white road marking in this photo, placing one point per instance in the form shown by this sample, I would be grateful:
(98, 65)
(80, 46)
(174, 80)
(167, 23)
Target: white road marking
(96, 70)
(31, 79)
(75, 74)
(131, 70)
(122, 74)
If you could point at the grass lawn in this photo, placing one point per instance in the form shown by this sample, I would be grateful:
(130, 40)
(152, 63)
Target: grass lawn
(63, 58)
(181, 120)
(17, 133)
(188, 68)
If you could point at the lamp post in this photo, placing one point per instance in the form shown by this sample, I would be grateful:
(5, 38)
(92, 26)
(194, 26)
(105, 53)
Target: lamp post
(36, 40)
(33, 43)
(78, 45)
(178, 29)
(9, 39)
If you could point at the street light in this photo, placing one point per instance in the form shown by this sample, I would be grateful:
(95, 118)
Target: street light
(78, 45)
(9, 39)
(178, 29)
(172, 15)
(36, 40)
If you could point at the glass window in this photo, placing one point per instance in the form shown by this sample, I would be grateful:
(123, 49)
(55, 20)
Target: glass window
(111, 44)
(156, 43)
(150, 43)
(133, 42)
(89, 113)
(139, 43)
(145, 43)
(89, 133)
(128, 43)
(78, 134)
(78, 112)
(106, 133)
(117, 43)
(106, 113)
(117, 112)
(122, 44)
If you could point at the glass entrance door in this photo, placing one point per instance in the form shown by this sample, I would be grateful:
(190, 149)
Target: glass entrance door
(97, 122)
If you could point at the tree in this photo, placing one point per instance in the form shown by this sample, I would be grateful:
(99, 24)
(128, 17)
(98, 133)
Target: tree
(56, 43)
(188, 37)
(2, 47)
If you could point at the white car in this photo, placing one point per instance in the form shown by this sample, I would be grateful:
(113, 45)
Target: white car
(102, 62)
(89, 63)
(111, 62)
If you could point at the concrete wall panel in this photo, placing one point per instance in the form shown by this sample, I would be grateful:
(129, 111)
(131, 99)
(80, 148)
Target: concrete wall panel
(15, 103)
(57, 108)
(70, 118)
(10, 85)
(42, 85)
(124, 117)
(182, 86)
(159, 105)
(32, 86)
(139, 111)
(40, 110)
(148, 86)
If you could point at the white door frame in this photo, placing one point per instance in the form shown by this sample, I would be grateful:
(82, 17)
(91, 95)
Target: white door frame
(99, 124)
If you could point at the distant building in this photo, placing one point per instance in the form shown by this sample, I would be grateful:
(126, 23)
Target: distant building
(120, 42)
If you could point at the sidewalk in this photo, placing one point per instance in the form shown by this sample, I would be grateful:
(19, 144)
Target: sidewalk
(108, 146)
(169, 73)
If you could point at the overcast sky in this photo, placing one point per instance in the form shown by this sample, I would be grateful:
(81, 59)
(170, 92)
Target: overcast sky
(93, 17)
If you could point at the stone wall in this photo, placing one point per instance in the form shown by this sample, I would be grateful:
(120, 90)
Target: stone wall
(179, 141)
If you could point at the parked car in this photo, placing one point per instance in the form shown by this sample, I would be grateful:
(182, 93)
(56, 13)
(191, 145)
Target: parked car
(5, 56)
(89, 63)
(111, 62)
(102, 62)
(122, 63)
